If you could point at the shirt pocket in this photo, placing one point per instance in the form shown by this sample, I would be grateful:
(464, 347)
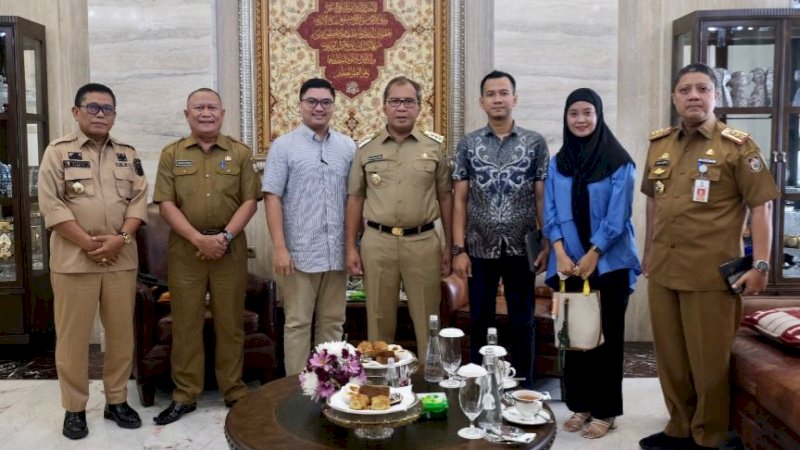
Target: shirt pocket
(423, 174)
(378, 174)
(659, 177)
(226, 179)
(123, 176)
(185, 180)
(78, 182)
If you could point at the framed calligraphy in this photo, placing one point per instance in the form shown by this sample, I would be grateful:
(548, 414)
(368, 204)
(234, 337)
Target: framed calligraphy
(358, 45)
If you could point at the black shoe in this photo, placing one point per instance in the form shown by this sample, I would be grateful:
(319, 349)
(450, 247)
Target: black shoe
(663, 441)
(75, 425)
(174, 412)
(123, 415)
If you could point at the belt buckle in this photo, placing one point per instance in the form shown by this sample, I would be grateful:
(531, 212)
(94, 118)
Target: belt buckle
(397, 231)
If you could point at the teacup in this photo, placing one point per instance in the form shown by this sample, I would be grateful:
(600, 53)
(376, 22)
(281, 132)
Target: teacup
(528, 403)
(505, 370)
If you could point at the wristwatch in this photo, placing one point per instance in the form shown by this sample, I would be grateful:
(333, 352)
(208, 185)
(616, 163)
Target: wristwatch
(761, 265)
(126, 237)
(457, 250)
(596, 250)
(228, 235)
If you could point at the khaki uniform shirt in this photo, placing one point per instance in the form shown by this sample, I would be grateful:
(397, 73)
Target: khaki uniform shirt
(691, 239)
(96, 187)
(400, 181)
(208, 188)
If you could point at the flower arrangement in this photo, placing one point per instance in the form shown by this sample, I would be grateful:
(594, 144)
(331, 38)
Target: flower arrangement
(330, 366)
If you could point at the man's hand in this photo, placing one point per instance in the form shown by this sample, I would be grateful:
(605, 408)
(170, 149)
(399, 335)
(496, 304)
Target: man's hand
(211, 247)
(462, 265)
(446, 260)
(108, 250)
(646, 264)
(353, 260)
(282, 261)
(541, 258)
(754, 281)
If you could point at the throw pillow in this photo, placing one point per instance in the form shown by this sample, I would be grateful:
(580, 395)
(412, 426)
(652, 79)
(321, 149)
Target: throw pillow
(780, 324)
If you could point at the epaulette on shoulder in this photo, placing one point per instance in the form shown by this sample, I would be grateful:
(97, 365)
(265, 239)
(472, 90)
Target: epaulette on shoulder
(738, 136)
(120, 143)
(366, 140)
(435, 136)
(67, 138)
(659, 133)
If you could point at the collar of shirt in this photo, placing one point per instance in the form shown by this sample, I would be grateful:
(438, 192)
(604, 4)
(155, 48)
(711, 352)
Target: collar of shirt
(86, 141)
(488, 131)
(384, 135)
(311, 134)
(223, 142)
(706, 128)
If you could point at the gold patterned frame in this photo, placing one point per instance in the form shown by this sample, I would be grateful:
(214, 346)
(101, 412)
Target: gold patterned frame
(436, 95)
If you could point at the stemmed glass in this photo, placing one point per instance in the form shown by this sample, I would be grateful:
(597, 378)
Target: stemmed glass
(451, 355)
(470, 398)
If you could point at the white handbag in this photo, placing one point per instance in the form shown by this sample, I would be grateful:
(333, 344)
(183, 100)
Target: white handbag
(578, 322)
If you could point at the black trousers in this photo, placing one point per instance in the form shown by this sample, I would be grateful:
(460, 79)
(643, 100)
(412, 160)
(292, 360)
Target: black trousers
(593, 379)
(519, 284)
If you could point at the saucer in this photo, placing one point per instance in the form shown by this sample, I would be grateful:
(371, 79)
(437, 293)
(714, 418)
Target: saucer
(512, 415)
(508, 383)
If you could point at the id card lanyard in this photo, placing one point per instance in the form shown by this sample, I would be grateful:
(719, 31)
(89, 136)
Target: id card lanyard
(701, 185)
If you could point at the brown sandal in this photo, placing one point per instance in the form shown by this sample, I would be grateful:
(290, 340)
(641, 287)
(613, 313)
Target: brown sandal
(598, 428)
(576, 422)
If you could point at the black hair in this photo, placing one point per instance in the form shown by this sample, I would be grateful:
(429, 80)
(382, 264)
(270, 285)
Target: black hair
(93, 87)
(499, 74)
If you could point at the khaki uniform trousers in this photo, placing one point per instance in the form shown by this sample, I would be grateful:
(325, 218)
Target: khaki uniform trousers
(306, 296)
(77, 297)
(693, 333)
(225, 279)
(388, 259)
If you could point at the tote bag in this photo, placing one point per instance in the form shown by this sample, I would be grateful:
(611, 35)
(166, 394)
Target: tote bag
(578, 323)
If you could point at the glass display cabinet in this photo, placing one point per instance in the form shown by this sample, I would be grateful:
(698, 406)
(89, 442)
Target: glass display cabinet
(23, 137)
(755, 54)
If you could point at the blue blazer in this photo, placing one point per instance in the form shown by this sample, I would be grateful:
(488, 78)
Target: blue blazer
(610, 201)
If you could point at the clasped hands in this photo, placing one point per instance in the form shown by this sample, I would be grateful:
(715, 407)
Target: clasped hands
(105, 248)
(584, 268)
(211, 246)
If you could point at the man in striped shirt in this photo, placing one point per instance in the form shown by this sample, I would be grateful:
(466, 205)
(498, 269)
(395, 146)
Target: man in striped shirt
(305, 190)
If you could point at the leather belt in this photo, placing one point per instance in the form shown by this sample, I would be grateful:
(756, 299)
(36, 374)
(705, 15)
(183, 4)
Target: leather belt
(212, 231)
(398, 231)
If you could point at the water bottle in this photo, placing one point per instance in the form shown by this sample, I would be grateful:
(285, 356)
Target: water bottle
(434, 371)
(492, 406)
(491, 336)
(391, 374)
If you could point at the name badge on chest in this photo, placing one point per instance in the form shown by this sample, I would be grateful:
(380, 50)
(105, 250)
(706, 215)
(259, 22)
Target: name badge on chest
(701, 185)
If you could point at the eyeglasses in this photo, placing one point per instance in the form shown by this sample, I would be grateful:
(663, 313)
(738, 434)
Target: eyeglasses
(94, 108)
(407, 102)
(313, 102)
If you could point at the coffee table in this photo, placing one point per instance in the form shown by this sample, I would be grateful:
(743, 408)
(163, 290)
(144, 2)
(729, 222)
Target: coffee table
(278, 416)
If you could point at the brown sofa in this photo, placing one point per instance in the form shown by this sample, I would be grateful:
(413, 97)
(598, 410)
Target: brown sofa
(153, 321)
(765, 388)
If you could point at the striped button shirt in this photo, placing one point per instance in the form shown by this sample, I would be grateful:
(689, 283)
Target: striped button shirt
(310, 175)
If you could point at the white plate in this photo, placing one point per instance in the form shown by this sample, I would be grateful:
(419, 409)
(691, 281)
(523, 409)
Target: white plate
(405, 358)
(508, 383)
(512, 415)
(341, 402)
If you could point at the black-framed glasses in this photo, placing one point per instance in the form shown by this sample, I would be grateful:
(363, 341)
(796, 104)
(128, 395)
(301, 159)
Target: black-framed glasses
(407, 102)
(313, 102)
(95, 108)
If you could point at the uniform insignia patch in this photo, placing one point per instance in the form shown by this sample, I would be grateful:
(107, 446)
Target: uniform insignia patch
(735, 135)
(228, 158)
(137, 166)
(374, 158)
(375, 178)
(365, 141)
(662, 163)
(122, 157)
(76, 163)
(755, 163)
(710, 152)
(436, 137)
(659, 187)
(75, 155)
(658, 171)
(123, 164)
(707, 161)
(659, 133)
(184, 163)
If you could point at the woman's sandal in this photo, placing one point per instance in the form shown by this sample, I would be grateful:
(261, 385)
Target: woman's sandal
(598, 428)
(576, 422)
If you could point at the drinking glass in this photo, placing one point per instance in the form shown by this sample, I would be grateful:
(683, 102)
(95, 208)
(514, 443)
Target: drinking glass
(450, 339)
(470, 398)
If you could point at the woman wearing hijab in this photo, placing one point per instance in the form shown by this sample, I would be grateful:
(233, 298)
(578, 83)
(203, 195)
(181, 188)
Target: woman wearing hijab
(587, 213)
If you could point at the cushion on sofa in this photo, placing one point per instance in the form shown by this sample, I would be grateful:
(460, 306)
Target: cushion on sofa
(779, 324)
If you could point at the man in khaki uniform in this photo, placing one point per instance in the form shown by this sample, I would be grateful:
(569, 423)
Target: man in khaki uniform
(400, 183)
(207, 191)
(699, 178)
(93, 194)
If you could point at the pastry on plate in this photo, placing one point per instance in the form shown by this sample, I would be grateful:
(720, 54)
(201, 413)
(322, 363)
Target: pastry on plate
(379, 402)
